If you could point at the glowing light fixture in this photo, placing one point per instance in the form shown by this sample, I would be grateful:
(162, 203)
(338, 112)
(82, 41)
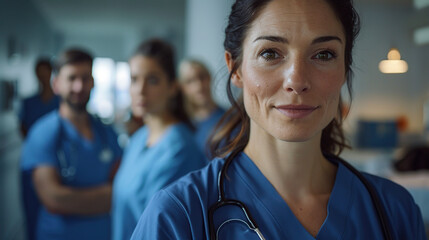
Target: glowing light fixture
(393, 64)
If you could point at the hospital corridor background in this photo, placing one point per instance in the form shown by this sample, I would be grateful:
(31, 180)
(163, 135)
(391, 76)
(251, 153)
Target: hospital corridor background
(388, 118)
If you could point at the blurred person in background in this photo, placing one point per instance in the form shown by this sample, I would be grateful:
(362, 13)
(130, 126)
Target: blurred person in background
(34, 107)
(70, 158)
(195, 81)
(161, 151)
(132, 124)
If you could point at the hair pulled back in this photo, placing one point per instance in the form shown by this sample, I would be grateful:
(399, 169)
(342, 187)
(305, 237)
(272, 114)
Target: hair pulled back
(163, 53)
(232, 132)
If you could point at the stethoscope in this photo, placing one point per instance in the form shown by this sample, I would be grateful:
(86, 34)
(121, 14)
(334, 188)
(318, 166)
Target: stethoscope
(251, 223)
(68, 168)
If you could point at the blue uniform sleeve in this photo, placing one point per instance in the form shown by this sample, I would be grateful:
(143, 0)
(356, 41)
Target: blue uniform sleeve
(420, 227)
(164, 218)
(36, 152)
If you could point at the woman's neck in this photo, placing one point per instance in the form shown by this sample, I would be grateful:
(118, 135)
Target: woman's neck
(295, 169)
(46, 94)
(201, 112)
(157, 126)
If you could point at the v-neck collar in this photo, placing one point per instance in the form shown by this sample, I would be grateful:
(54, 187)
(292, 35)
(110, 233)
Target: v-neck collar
(71, 131)
(337, 209)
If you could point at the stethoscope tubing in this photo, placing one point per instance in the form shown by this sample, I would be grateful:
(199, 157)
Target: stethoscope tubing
(222, 201)
(382, 217)
(68, 167)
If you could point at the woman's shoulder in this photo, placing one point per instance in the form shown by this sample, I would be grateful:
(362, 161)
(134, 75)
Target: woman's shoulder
(199, 183)
(195, 187)
(180, 130)
(138, 136)
(180, 136)
(389, 191)
(184, 203)
(400, 207)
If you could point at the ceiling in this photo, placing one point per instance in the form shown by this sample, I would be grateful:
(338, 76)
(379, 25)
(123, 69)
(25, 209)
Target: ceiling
(110, 16)
(123, 17)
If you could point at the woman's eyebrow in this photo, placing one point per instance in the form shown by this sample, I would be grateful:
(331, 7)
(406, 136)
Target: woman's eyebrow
(284, 40)
(326, 39)
(272, 39)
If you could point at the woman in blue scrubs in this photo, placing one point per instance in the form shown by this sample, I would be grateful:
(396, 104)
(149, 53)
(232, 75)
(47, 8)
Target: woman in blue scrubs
(195, 81)
(161, 151)
(280, 177)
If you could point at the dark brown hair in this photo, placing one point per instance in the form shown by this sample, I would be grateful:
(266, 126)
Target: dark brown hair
(232, 131)
(194, 62)
(42, 61)
(72, 56)
(163, 53)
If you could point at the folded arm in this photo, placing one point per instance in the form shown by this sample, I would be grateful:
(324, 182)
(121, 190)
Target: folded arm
(61, 199)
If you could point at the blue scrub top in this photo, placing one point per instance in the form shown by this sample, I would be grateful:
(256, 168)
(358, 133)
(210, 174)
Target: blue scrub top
(53, 141)
(34, 107)
(205, 127)
(145, 170)
(181, 210)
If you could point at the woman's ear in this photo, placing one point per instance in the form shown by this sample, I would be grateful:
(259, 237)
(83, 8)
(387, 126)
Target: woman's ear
(235, 77)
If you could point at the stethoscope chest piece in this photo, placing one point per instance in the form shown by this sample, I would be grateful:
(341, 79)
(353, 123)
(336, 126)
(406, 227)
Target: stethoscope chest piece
(68, 172)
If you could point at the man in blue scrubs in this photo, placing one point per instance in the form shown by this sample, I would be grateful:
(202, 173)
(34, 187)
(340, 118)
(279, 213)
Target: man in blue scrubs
(71, 158)
(34, 107)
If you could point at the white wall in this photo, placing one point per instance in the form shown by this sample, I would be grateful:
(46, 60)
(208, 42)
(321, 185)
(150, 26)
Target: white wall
(205, 25)
(120, 45)
(33, 36)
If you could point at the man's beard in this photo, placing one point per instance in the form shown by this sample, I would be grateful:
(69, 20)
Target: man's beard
(78, 107)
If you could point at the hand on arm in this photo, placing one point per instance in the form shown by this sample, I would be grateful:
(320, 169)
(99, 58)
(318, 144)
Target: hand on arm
(61, 199)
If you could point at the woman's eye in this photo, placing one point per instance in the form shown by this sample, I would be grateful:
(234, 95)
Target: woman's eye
(269, 54)
(325, 55)
(152, 80)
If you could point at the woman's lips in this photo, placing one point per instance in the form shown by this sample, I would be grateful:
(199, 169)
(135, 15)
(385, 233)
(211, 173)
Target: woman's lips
(296, 111)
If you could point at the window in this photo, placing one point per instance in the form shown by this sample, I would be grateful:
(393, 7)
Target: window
(110, 98)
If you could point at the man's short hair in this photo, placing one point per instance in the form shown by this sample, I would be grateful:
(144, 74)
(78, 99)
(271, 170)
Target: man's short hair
(72, 56)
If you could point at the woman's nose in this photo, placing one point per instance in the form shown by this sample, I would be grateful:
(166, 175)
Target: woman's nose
(296, 77)
(139, 87)
(199, 83)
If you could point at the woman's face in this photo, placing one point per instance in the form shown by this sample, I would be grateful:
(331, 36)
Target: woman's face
(150, 89)
(195, 82)
(293, 69)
